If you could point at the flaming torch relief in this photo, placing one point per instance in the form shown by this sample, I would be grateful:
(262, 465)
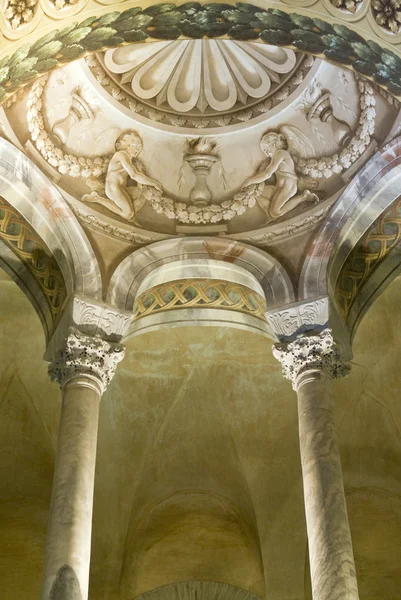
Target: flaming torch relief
(201, 155)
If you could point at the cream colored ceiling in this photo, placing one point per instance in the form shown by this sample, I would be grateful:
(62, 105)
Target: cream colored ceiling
(198, 472)
(204, 169)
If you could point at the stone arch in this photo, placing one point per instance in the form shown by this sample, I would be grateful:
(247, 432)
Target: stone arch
(369, 195)
(30, 264)
(35, 218)
(314, 26)
(192, 535)
(130, 273)
(370, 267)
(198, 590)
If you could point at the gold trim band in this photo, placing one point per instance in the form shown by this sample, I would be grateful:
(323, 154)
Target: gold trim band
(30, 249)
(373, 247)
(200, 293)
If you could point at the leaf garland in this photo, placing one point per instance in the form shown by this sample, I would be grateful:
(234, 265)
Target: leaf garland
(167, 21)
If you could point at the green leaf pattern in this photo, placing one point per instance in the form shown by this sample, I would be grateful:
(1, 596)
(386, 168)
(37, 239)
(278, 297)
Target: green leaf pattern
(193, 20)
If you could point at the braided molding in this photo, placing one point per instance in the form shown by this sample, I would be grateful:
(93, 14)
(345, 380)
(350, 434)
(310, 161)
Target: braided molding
(200, 293)
(371, 250)
(26, 244)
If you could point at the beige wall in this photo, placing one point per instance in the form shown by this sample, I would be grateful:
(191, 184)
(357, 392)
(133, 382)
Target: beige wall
(198, 472)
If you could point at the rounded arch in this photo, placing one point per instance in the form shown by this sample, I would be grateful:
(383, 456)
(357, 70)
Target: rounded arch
(317, 27)
(372, 265)
(374, 189)
(191, 535)
(32, 267)
(369, 195)
(24, 187)
(130, 273)
(43, 246)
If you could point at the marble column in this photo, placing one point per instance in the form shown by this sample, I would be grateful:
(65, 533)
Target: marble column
(83, 368)
(310, 362)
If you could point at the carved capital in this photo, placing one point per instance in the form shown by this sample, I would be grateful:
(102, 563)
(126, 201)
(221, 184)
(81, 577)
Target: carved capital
(313, 353)
(91, 318)
(289, 322)
(86, 355)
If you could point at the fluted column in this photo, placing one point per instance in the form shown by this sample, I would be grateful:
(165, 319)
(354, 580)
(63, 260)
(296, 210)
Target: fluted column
(83, 368)
(310, 362)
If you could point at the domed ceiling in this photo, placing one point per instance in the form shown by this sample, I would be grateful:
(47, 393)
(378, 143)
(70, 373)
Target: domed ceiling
(200, 137)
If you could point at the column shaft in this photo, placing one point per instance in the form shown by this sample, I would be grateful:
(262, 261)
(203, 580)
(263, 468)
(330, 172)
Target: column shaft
(330, 547)
(68, 544)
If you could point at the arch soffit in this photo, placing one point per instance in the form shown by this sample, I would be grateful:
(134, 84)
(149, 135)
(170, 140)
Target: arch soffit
(372, 265)
(314, 26)
(375, 188)
(29, 286)
(25, 188)
(130, 273)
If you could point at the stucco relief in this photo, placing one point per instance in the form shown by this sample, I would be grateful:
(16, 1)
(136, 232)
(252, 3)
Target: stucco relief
(114, 192)
(279, 92)
(199, 77)
(155, 178)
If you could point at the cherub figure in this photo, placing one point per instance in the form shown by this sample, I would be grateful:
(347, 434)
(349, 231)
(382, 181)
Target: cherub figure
(284, 196)
(116, 195)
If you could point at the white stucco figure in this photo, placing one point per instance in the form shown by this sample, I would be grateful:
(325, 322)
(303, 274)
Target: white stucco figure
(284, 195)
(115, 193)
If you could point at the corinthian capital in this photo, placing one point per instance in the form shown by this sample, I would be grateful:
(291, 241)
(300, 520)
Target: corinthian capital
(85, 355)
(311, 353)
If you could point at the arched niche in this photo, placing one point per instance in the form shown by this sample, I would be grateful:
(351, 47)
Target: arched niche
(191, 535)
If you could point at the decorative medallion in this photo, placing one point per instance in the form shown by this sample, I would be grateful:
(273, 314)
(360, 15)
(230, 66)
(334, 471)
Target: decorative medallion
(387, 14)
(19, 12)
(347, 5)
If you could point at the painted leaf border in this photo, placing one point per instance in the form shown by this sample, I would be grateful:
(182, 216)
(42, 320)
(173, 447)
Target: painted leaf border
(165, 21)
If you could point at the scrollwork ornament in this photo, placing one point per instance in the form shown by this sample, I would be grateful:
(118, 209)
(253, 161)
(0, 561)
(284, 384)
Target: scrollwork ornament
(311, 353)
(86, 355)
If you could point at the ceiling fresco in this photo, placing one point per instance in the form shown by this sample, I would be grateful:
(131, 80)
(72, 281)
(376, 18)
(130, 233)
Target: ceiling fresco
(186, 185)
(146, 141)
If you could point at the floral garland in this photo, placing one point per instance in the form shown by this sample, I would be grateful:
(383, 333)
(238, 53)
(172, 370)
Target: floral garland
(68, 164)
(213, 213)
(327, 166)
